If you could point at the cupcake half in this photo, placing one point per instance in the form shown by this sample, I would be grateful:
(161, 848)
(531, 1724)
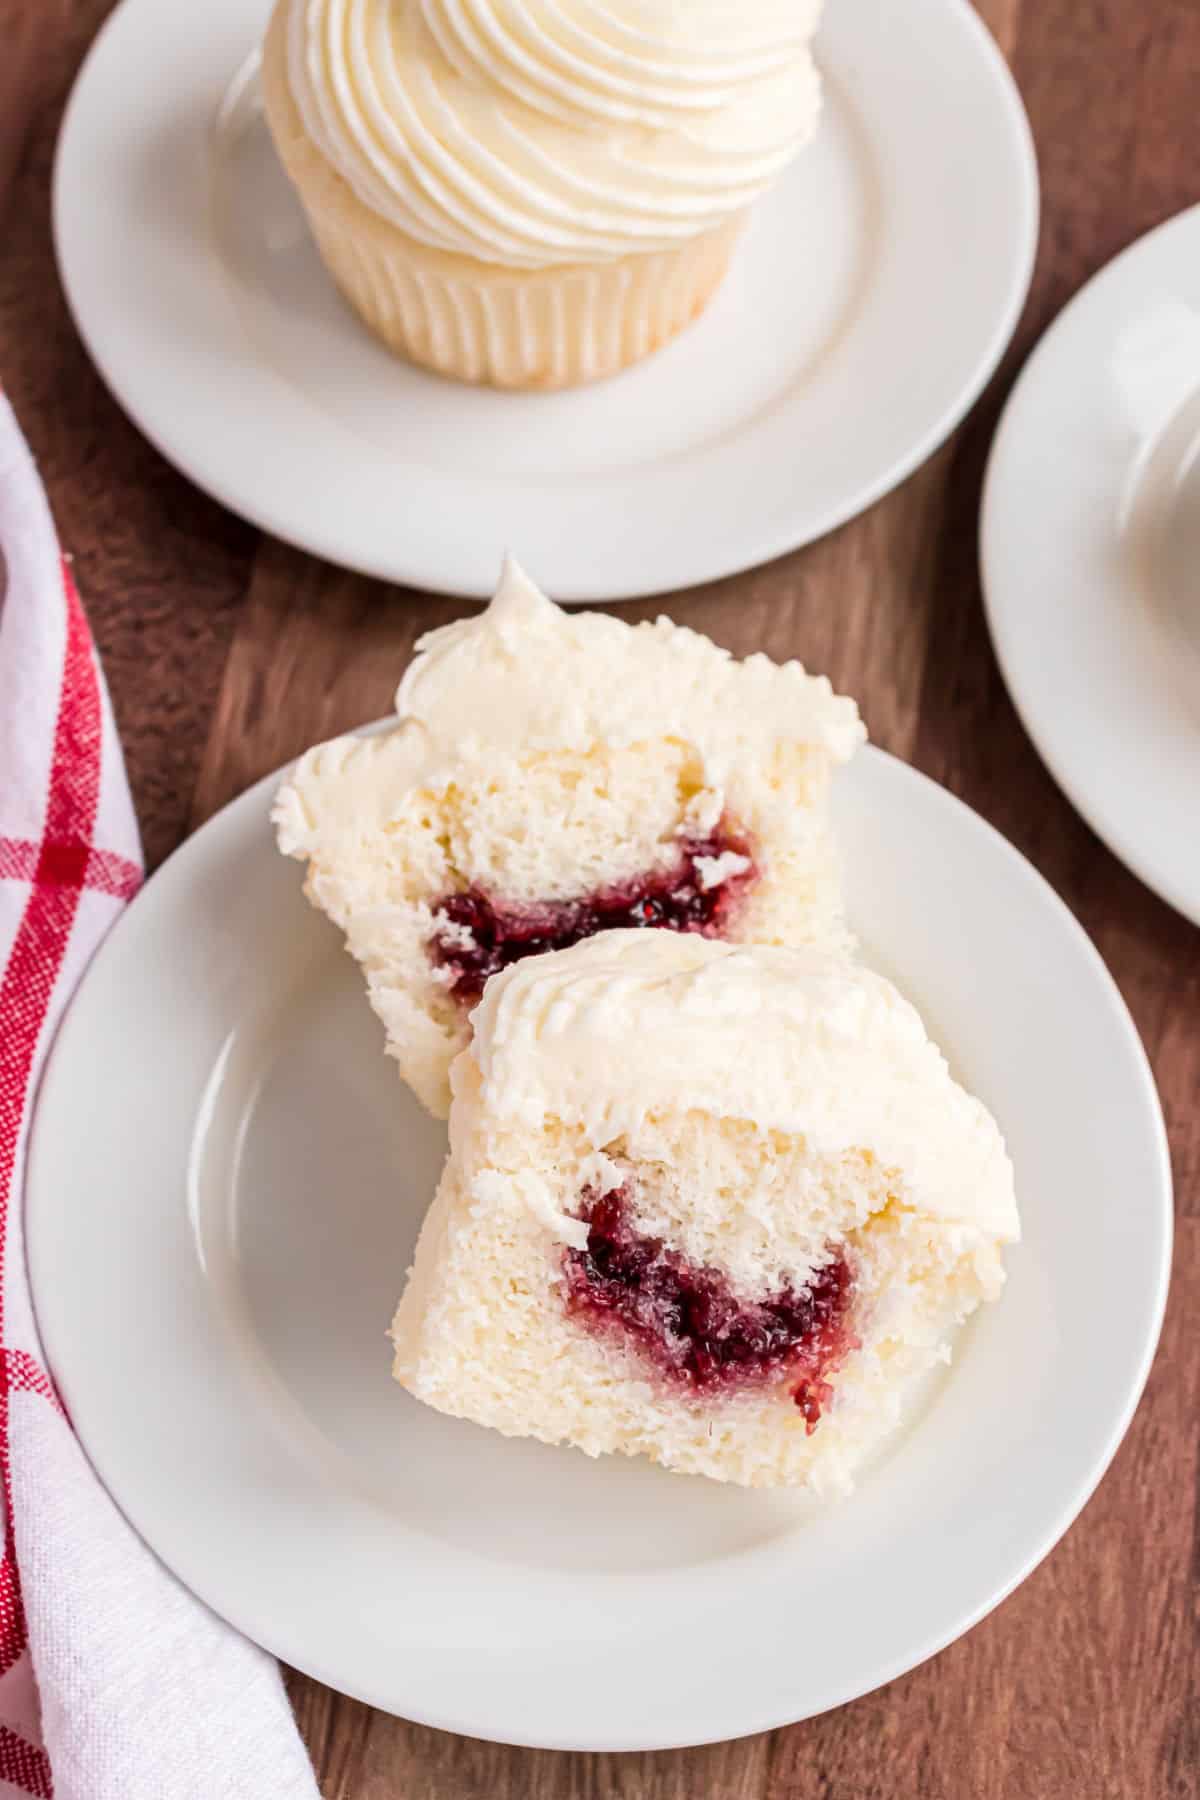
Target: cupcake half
(534, 194)
(719, 1206)
(553, 775)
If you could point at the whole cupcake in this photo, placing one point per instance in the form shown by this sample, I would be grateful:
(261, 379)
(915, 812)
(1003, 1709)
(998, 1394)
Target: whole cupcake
(534, 193)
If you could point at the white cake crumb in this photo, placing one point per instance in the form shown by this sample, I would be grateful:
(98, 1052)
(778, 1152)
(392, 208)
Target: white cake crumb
(713, 870)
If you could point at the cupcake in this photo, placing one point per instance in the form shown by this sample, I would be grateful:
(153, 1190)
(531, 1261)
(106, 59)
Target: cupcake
(534, 193)
(720, 1206)
(555, 774)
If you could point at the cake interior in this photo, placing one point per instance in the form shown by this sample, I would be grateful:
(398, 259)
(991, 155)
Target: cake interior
(699, 890)
(441, 884)
(718, 1296)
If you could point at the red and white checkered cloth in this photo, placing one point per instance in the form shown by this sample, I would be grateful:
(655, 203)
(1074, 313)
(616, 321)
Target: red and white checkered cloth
(116, 1683)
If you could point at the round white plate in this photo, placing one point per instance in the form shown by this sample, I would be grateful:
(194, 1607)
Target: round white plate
(214, 1296)
(877, 288)
(1090, 549)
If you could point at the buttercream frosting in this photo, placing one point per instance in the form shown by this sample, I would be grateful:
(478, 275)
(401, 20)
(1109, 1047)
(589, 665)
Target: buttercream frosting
(526, 675)
(554, 131)
(628, 1024)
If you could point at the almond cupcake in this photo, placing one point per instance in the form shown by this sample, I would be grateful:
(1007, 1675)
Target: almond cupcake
(534, 193)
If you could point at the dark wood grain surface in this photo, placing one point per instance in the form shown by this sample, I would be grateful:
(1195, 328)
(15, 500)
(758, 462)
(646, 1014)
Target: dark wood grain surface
(227, 652)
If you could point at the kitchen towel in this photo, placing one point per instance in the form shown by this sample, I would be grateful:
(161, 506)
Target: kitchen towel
(116, 1683)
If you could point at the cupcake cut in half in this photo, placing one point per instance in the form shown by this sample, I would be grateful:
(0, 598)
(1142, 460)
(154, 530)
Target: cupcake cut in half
(534, 193)
(721, 1206)
(553, 775)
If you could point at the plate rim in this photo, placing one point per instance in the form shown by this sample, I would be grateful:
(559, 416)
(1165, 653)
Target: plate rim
(1109, 826)
(1065, 1513)
(768, 544)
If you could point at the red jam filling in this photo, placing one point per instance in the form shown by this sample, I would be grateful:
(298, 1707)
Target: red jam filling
(690, 1324)
(672, 899)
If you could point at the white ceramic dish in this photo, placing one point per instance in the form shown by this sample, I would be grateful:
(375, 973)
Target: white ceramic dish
(874, 295)
(214, 1293)
(1090, 549)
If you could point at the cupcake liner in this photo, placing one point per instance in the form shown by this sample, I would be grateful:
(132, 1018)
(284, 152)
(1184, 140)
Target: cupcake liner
(546, 328)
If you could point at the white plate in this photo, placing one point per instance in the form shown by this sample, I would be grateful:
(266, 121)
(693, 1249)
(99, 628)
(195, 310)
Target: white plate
(878, 286)
(1090, 548)
(225, 1184)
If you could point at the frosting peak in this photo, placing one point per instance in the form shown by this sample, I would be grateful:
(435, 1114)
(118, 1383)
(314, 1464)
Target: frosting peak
(554, 131)
(517, 606)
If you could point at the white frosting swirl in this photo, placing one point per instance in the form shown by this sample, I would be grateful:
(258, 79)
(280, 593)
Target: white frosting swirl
(539, 132)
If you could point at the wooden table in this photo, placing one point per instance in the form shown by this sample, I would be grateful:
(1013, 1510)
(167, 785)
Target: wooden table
(227, 653)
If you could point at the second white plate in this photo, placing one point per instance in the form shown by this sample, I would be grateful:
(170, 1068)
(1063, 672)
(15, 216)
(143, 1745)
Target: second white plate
(873, 296)
(1090, 553)
(214, 1298)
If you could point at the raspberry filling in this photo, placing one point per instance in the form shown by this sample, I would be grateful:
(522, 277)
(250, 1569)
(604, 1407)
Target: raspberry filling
(688, 1321)
(476, 937)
